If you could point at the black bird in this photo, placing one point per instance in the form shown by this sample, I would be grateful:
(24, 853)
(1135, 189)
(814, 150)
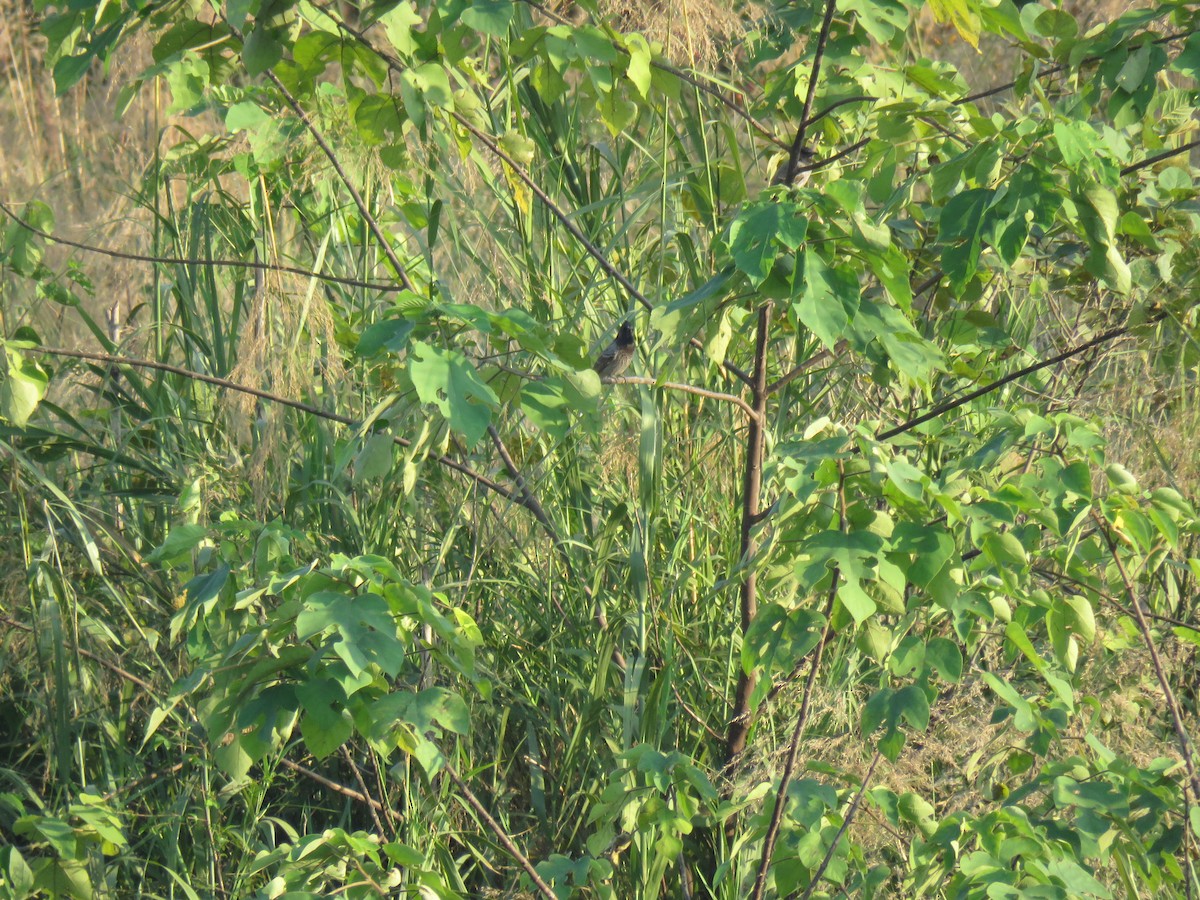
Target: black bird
(616, 357)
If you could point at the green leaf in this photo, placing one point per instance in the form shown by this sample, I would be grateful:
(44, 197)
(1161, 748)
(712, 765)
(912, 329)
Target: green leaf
(829, 300)
(262, 51)
(365, 629)
(390, 334)
(380, 118)
(374, 460)
(961, 234)
(856, 556)
(638, 72)
(447, 380)
(69, 70)
(245, 116)
(324, 727)
(943, 655)
(181, 539)
(23, 384)
(398, 23)
(489, 16)
(24, 247)
(758, 233)
(778, 638)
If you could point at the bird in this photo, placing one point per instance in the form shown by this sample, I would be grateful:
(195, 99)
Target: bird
(616, 357)
(805, 158)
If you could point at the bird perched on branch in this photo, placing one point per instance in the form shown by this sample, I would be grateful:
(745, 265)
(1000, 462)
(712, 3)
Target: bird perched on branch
(805, 158)
(616, 357)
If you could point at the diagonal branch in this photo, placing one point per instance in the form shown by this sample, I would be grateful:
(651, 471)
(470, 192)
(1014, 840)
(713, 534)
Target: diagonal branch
(1186, 748)
(849, 817)
(949, 405)
(209, 263)
(501, 835)
(789, 767)
(384, 244)
(308, 408)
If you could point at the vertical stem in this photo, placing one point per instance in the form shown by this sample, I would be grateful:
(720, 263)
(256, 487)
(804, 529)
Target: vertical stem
(739, 723)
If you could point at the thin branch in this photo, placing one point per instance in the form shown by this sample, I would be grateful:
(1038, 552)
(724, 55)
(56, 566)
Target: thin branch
(446, 461)
(553, 208)
(687, 389)
(501, 835)
(814, 76)
(789, 767)
(362, 786)
(1055, 70)
(207, 263)
(862, 789)
(1181, 735)
(86, 654)
(1157, 158)
(384, 243)
(320, 779)
(943, 408)
(696, 82)
(813, 361)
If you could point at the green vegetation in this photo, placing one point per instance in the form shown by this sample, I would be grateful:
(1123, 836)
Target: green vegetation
(333, 569)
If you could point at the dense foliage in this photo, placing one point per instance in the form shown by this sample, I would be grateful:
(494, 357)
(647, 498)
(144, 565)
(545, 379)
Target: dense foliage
(334, 569)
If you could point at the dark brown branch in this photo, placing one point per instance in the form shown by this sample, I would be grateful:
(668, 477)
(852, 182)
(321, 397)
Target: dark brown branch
(332, 785)
(946, 407)
(372, 804)
(1159, 157)
(812, 362)
(86, 654)
(814, 76)
(739, 721)
(207, 263)
(862, 789)
(501, 835)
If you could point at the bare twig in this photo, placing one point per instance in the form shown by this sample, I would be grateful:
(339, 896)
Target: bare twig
(446, 461)
(1185, 741)
(1159, 157)
(205, 263)
(86, 654)
(813, 361)
(862, 789)
(501, 835)
(332, 785)
(362, 786)
(685, 388)
(789, 767)
(946, 407)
